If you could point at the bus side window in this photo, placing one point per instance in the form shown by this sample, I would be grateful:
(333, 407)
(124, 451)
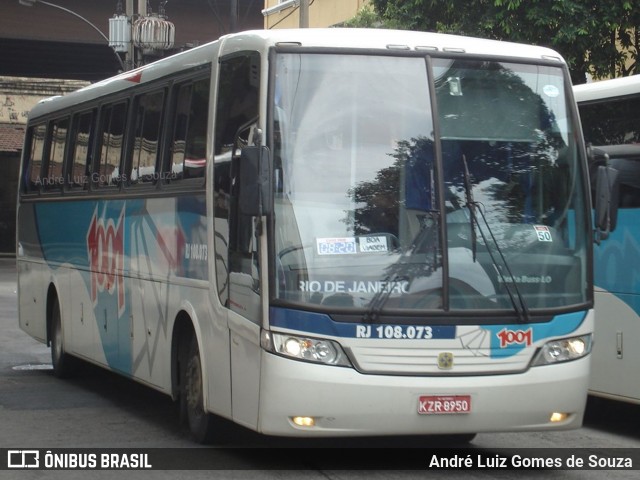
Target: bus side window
(112, 139)
(33, 179)
(148, 120)
(628, 168)
(57, 141)
(78, 172)
(188, 146)
(629, 196)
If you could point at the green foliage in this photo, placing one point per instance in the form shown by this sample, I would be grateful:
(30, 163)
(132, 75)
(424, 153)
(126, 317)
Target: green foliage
(595, 37)
(367, 17)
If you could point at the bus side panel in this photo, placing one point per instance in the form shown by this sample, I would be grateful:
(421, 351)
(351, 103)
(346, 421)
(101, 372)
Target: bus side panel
(167, 256)
(617, 307)
(32, 301)
(81, 330)
(128, 265)
(81, 236)
(32, 275)
(245, 369)
(615, 354)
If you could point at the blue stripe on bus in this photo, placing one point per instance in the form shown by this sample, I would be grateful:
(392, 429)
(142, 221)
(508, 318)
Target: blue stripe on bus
(506, 339)
(322, 324)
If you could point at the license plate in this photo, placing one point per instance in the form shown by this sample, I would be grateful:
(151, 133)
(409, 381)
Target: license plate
(444, 404)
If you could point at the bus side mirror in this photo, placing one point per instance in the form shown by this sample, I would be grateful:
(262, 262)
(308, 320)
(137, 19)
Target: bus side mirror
(255, 182)
(607, 196)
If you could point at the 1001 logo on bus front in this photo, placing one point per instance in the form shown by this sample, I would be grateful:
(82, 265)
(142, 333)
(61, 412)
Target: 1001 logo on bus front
(105, 247)
(509, 337)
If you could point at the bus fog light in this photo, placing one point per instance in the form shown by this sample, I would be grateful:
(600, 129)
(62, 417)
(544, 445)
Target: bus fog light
(316, 350)
(563, 350)
(558, 417)
(304, 421)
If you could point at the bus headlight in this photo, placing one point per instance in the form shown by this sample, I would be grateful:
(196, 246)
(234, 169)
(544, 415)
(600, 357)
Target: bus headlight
(316, 350)
(563, 350)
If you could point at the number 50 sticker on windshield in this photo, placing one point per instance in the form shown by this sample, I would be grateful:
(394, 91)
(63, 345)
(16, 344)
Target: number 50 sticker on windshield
(543, 233)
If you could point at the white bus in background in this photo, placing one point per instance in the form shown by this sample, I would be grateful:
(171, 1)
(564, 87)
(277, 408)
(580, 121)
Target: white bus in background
(610, 116)
(320, 233)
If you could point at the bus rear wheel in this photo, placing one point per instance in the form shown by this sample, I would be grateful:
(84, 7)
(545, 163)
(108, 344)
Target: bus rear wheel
(200, 423)
(61, 361)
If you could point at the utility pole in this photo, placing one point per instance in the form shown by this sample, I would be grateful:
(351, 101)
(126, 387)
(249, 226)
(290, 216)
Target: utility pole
(233, 16)
(131, 52)
(304, 13)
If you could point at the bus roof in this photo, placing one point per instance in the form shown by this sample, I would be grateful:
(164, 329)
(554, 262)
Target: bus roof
(398, 39)
(612, 88)
(262, 40)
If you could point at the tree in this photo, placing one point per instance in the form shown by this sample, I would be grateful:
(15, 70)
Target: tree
(595, 37)
(367, 17)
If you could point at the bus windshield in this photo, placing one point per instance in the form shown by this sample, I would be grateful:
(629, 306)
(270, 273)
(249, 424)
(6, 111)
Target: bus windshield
(404, 185)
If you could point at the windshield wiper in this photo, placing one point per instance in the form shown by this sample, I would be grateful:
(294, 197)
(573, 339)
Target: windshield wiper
(471, 205)
(380, 298)
(401, 269)
(519, 306)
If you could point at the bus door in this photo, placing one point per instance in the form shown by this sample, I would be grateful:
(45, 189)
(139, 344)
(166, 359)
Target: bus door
(238, 255)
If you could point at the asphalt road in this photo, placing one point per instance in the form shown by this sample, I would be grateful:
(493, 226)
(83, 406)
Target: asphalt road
(100, 410)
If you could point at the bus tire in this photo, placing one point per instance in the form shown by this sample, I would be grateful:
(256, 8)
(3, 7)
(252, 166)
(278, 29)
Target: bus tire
(200, 422)
(60, 360)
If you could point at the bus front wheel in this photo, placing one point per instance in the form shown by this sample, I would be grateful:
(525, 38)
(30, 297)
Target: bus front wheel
(200, 422)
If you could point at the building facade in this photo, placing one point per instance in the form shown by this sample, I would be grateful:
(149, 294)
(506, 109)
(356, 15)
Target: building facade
(56, 47)
(17, 97)
(322, 13)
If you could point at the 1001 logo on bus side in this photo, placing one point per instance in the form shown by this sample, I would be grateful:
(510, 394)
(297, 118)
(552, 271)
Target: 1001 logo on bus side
(105, 247)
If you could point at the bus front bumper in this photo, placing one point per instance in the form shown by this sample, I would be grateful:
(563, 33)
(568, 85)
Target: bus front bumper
(342, 402)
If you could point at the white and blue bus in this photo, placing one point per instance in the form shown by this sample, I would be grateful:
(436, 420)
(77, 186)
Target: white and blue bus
(320, 233)
(610, 116)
